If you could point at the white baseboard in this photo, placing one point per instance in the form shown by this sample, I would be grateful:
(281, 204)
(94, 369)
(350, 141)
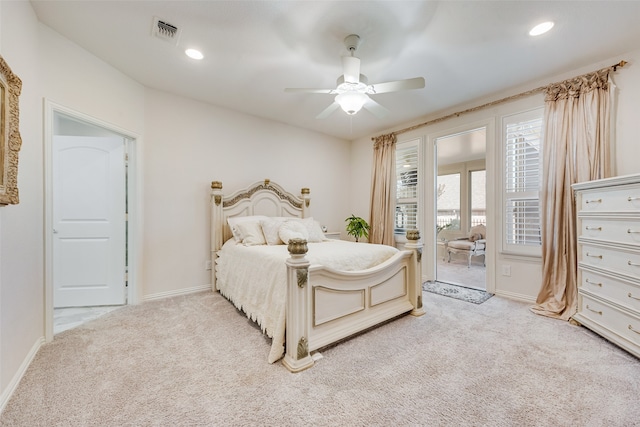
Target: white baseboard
(178, 292)
(13, 384)
(517, 297)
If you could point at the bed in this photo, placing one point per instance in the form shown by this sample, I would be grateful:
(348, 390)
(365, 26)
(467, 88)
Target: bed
(308, 292)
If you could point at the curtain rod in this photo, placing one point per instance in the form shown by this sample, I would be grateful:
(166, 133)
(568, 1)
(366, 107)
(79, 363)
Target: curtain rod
(492, 103)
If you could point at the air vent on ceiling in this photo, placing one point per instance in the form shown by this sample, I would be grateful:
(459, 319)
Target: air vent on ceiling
(165, 31)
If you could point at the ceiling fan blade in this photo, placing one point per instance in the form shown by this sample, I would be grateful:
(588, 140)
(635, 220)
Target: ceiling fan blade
(309, 90)
(415, 83)
(327, 111)
(378, 110)
(351, 67)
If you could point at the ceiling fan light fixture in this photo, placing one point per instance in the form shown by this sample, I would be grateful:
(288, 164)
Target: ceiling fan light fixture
(351, 102)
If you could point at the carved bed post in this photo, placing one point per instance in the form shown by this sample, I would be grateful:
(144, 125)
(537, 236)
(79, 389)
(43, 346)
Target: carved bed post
(297, 356)
(217, 227)
(306, 202)
(415, 291)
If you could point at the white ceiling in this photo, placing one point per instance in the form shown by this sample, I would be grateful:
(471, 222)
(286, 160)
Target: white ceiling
(254, 49)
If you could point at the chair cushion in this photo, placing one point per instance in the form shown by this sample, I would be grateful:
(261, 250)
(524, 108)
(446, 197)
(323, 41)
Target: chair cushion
(461, 244)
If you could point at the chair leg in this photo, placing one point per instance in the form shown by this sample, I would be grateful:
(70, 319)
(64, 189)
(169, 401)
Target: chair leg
(469, 262)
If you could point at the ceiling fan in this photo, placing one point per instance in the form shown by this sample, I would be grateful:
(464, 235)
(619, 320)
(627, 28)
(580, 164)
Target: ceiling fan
(352, 91)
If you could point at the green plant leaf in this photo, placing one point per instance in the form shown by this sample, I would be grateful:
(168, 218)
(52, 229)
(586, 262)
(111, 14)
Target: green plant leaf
(357, 227)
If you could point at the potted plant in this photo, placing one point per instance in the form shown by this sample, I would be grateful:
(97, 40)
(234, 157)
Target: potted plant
(357, 227)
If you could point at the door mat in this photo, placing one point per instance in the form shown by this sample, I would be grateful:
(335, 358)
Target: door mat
(475, 296)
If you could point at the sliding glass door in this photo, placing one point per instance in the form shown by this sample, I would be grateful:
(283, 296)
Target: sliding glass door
(460, 206)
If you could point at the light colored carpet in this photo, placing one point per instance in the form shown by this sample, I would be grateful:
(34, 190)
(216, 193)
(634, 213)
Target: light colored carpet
(195, 361)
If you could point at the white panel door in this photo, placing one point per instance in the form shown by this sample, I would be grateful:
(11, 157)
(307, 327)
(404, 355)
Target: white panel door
(89, 224)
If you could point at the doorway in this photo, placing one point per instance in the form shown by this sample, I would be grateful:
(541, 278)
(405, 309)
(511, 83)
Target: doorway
(90, 240)
(461, 208)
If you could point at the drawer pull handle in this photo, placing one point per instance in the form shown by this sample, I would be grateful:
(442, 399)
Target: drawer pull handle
(595, 283)
(635, 264)
(633, 231)
(597, 201)
(595, 256)
(633, 330)
(629, 199)
(595, 311)
(593, 228)
(632, 297)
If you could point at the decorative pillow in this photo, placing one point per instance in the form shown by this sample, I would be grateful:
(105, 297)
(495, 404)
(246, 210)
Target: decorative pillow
(233, 221)
(475, 236)
(270, 229)
(293, 230)
(314, 229)
(251, 233)
(479, 229)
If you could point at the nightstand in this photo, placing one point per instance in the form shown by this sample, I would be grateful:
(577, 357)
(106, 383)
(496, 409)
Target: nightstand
(335, 235)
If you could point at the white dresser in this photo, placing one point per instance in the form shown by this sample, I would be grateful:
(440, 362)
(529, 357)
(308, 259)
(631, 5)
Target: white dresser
(608, 231)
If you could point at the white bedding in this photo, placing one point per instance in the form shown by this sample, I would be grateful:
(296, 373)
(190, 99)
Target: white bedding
(254, 277)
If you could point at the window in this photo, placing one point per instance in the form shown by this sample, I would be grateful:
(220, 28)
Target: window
(522, 182)
(406, 217)
(448, 201)
(478, 197)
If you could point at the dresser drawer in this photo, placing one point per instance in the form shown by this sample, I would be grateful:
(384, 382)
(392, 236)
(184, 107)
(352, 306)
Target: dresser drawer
(619, 322)
(616, 290)
(608, 200)
(618, 260)
(612, 230)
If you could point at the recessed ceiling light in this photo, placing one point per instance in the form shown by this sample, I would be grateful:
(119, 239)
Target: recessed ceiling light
(193, 53)
(541, 28)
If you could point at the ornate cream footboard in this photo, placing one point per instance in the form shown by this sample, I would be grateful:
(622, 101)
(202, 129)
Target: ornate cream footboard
(323, 305)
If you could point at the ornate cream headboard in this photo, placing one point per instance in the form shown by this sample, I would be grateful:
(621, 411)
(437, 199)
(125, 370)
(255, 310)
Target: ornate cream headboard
(260, 198)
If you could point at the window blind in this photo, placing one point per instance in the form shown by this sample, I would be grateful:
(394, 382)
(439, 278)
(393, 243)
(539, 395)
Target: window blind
(406, 216)
(522, 180)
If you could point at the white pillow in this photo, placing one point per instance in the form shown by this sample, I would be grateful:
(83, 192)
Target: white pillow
(233, 221)
(270, 229)
(251, 232)
(314, 229)
(293, 230)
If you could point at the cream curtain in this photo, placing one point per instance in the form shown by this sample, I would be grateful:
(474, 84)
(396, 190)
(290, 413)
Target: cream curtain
(383, 190)
(576, 149)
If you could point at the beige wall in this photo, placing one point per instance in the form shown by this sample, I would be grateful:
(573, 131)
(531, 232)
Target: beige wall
(76, 79)
(188, 144)
(21, 243)
(525, 272)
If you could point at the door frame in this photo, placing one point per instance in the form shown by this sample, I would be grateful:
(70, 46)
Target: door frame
(134, 197)
(431, 159)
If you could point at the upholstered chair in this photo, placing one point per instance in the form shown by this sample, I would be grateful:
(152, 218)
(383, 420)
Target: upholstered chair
(473, 245)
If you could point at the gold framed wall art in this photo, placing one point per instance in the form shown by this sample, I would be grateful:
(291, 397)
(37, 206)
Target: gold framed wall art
(10, 140)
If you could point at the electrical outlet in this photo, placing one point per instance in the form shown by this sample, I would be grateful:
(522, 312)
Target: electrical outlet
(207, 264)
(506, 270)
